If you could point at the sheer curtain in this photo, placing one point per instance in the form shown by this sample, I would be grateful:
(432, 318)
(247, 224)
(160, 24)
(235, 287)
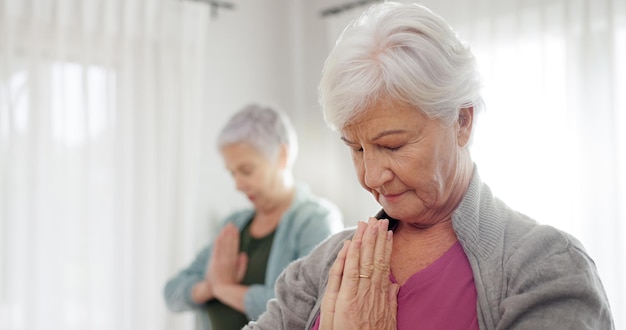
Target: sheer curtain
(552, 143)
(100, 135)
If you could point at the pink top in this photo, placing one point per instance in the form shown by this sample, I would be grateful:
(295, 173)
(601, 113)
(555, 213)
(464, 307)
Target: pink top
(441, 296)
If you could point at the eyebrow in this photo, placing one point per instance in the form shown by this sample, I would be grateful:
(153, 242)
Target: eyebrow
(379, 136)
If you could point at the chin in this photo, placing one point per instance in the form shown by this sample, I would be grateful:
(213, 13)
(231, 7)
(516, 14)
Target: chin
(394, 213)
(402, 214)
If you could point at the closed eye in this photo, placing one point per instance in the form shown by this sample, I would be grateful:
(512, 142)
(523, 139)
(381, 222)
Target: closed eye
(353, 146)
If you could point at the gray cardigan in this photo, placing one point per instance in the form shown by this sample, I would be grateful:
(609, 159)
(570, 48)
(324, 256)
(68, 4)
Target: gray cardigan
(307, 222)
(527, 276)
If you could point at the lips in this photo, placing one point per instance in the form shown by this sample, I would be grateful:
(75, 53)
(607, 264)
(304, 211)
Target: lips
(390, 198)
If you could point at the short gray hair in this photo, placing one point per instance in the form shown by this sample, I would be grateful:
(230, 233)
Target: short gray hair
(399, 52)
(264, 128)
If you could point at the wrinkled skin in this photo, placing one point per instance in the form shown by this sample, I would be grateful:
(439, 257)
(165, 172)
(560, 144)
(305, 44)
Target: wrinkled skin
(359, 294)
(418, 169)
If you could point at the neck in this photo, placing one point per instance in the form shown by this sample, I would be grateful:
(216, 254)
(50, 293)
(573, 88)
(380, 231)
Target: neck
(462, 179)
(279, 204)
(440, 232)
(267, 218)
(415, 249)
(464, 175)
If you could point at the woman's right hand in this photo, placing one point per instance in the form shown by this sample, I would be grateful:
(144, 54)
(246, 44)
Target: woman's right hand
(359, 294)
(225, 266)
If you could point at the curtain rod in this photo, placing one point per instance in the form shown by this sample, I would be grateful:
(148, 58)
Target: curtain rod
(346, 6)
(215, 5)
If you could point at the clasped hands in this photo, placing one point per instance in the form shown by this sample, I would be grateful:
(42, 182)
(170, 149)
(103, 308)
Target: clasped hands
(359, 294)
(226, 265)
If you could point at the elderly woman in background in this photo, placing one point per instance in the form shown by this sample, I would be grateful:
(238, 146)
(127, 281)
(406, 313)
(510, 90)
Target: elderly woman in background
(443, 253)
(231, 280)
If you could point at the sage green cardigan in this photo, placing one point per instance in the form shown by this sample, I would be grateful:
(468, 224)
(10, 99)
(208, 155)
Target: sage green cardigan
(308, 221)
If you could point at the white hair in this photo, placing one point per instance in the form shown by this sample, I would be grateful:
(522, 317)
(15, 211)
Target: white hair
(399, 52)
(264, 128)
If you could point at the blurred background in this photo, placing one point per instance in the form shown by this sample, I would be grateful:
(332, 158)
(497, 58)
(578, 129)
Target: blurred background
(110, 180)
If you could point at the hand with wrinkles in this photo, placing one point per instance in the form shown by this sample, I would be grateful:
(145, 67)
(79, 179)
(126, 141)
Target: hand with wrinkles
(359, 294)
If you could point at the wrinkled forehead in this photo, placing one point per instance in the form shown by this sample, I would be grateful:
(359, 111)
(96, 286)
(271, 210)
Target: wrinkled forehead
(384, 117)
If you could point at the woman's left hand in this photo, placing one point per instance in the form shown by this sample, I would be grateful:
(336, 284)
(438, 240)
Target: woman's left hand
(227, 265)
(359, 294)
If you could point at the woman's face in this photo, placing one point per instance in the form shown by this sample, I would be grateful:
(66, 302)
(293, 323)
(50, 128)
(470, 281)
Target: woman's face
(407, 161)
(255, 175)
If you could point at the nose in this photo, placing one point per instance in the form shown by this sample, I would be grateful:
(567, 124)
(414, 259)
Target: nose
(239, 182)
(376, 171)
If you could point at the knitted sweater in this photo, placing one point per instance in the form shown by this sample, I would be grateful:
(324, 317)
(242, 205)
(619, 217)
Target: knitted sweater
(527, 275)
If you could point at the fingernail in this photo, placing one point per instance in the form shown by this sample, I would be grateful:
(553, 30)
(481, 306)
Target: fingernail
(362, 226)
(373, 228)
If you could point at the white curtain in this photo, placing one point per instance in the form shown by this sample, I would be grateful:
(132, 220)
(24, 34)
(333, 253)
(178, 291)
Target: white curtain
(103, 144)
(100, 142)
(552, 143)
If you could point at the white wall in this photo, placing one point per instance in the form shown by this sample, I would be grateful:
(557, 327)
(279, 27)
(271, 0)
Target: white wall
(272, 52)
(324, 161)
(248, 62)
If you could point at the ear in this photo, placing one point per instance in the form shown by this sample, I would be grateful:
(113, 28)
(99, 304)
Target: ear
(466, 119)
(283, 156)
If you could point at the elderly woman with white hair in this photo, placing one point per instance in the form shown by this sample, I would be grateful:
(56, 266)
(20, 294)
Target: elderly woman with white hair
(443, 253)
(231, 280)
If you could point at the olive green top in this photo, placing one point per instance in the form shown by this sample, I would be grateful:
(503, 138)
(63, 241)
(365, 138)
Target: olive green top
(224, 317)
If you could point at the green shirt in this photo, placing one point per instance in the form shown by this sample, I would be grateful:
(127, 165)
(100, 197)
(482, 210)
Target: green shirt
(224, 317)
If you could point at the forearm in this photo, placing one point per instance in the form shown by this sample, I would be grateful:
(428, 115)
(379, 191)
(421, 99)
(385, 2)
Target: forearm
(178, 294)
(291, 308)
(231, 295)
(178, 291)
(201, 292)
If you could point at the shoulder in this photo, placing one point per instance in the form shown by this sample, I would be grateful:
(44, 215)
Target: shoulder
(489, 228)
(307, 205)
(320, 259)
(306, 199)
(549, 278)
(541, 258)
(528, 243)
(334, 242)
